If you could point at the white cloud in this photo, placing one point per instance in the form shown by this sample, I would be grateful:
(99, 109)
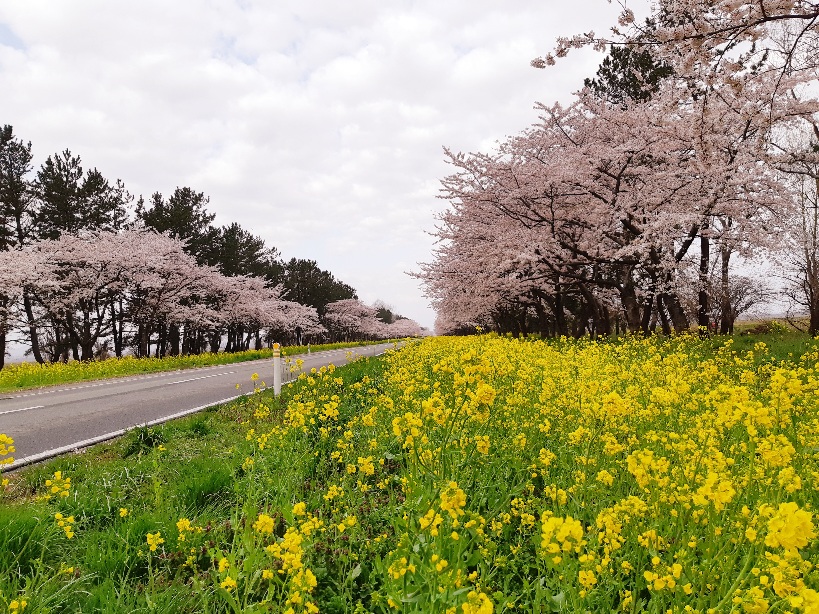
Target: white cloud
(317, 125)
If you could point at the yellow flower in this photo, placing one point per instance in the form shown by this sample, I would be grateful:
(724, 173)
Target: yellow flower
(560, 534)
(224, 565)
(17, 606)
(65, 523)
(586, 578)
(123, 512)
(228, 584)
(58, 485)
(154, 540)
(604, 477)
(6, 447)
(477, 603)
(790, 527)
(264, 524)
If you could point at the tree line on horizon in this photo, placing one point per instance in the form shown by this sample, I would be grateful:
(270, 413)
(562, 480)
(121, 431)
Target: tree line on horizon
(85, 270)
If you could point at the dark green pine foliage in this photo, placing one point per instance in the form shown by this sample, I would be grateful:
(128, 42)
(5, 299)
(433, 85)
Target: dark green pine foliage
(71, 202)
(628, 74)
(386, 313)
(184, 216)
(15, 218)
(16, 194)
(242, 253)
(309, 285)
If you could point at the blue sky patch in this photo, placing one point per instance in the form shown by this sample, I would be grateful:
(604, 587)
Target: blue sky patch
(9, 39)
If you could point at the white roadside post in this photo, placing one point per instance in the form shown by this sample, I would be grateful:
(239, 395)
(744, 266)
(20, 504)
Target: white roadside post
(277, 369)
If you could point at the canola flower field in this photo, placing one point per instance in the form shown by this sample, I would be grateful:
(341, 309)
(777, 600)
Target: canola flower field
(456, 476)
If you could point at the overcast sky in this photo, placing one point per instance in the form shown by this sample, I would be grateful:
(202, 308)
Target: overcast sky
(318, 126)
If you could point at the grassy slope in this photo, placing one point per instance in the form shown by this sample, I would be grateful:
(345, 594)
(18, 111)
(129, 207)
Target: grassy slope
(191, 468)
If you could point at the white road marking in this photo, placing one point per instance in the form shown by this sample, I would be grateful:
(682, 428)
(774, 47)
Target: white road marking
(115, 381)
(193, 379)
(14, 411)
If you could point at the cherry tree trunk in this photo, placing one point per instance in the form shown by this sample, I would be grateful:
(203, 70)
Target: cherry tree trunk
(32, 329)
(215, 340)
(3, 330)
(558, 309)
(631, 307)
(86, 341)
(705, 260)
(161, 340)
(69, 339)
(663, 315)
(116, 331)
(675, 309)
(811, 285)
(173, 337)
(648, 312)
(813, 327)
(142, 341)
(726, 323)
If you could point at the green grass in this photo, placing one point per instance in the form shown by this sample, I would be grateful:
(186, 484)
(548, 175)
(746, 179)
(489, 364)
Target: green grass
(192, 468)
(21, 376)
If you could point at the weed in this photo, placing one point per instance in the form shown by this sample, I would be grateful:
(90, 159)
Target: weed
(143, 439)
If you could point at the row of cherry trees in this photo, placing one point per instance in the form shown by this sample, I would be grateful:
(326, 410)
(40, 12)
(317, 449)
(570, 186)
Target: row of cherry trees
(137, 287)
(352, 320)
(99, 284)
(625, 207)
(83, 273)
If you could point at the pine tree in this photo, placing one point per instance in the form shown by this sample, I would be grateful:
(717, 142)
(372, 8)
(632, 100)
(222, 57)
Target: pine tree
(628, 74)
(185, 217)
(242, 253)
(17, 211)
(71, 202)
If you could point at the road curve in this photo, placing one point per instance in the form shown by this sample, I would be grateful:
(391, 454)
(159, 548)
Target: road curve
(45, 422)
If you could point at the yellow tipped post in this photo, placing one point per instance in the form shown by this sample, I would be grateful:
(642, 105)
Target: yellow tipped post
(277, 369)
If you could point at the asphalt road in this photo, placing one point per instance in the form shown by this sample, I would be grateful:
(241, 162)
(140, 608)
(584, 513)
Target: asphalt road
(45, 422)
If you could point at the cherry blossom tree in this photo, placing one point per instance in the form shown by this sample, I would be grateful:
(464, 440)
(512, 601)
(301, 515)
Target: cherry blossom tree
(73, 280)
(713, 39)
(403, 328)
(801, 260)
(602, 197)
(599, 207)
(283, 324)
(350, 319)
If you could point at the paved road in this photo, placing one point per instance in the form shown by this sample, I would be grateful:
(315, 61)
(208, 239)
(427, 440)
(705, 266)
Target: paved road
(48, 421)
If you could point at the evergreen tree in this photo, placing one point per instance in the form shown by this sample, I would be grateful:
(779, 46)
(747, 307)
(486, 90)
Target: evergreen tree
(17, 211)
(71, 202)
(309, 285)
(185, 217)
(16, 194)
(242, 253)
(628, 74)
